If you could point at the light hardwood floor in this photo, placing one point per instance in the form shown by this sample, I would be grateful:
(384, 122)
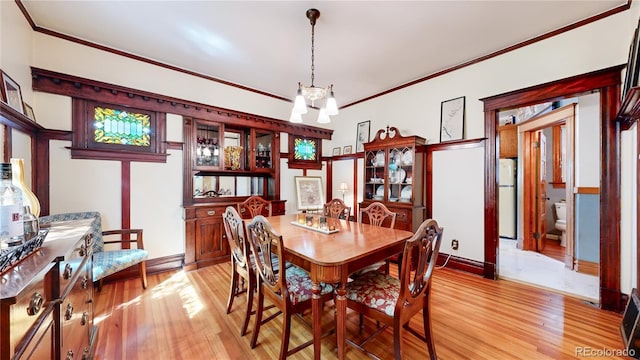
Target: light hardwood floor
(181, 315)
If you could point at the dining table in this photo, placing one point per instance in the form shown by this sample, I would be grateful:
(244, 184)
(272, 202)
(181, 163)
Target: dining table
(330, 253)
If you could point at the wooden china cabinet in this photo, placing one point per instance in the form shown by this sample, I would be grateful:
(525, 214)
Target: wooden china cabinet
(394, 176)
(224, 164)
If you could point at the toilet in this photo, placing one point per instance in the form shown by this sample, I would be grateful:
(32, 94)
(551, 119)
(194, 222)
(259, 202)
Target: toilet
(561, 221)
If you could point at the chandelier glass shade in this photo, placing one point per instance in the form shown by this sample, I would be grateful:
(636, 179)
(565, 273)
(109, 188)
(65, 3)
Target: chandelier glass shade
(313, 93)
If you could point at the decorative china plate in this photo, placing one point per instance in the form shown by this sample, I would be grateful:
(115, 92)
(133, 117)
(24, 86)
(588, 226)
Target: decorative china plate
(406, 192)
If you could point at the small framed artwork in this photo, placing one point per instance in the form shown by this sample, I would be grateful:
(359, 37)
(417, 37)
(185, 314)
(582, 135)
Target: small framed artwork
(336, 151)
(11, 92)
(346, 150)
(452, 119)
(28, 111)
(362, 136)
(309, 192)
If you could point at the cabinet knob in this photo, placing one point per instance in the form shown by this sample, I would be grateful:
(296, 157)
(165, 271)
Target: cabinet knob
(211, 212)
(70, 355)
(85, 318)
(84, 282)
(35, 304)
(68, 271)
(68, 314)
(83, 250)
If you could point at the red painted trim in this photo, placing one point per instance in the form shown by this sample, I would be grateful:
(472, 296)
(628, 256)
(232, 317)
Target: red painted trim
(126, 194)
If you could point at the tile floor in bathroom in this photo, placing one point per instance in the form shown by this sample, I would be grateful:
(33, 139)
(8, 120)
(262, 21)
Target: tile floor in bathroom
(542, 271)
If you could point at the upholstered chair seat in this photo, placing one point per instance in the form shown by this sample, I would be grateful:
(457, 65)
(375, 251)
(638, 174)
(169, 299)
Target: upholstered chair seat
(109, 255)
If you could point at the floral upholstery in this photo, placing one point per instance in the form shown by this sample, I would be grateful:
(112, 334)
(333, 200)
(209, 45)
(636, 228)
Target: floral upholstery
(376, 290)
(105, 263)
(299, 284)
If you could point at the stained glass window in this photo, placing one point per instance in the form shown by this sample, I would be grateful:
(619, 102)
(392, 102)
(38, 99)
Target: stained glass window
(121, 127)
(305, 149)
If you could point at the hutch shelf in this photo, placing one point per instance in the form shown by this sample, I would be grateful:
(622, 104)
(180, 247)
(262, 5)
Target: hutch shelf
(224, 164)
(394, 176)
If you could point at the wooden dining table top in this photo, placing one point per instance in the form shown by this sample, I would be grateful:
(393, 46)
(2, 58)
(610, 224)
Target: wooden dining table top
(351, 242)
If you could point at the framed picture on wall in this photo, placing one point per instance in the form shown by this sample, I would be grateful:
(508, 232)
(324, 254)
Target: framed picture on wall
(346, 150)
(11, 92)
(452, 119)
(28, 111)
(336, 151)
(309, 193)
(362, 136)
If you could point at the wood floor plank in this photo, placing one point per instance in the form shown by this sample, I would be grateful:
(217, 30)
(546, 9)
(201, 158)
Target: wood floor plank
(182, 315)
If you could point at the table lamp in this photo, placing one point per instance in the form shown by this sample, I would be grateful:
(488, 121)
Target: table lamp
(343, 188)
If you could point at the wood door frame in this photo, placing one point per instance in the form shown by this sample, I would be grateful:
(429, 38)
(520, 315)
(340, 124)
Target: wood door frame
(607, 83)
(564, 115)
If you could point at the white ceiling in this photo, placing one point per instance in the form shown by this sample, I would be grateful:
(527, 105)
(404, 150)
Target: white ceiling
(362, 47)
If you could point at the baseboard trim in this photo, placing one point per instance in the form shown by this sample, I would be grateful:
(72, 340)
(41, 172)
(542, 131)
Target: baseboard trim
(459, 263)
(587, 267)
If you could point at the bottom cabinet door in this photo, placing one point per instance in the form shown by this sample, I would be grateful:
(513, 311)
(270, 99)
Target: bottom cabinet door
(211, 243)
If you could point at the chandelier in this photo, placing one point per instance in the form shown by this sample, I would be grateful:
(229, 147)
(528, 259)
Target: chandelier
(313, 93)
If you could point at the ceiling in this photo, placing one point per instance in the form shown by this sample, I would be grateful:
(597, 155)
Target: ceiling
(363, 48)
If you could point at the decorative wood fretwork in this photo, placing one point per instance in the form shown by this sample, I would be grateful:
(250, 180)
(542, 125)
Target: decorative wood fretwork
(76, 87)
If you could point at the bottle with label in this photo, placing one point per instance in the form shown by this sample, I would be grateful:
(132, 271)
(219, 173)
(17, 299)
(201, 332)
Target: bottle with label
(11, 227)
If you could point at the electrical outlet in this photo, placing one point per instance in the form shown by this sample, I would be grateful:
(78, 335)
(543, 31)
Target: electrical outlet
(454, 244)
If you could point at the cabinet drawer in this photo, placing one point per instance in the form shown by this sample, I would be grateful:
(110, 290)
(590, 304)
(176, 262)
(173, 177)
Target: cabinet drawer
(41, 346)
(403, 215)
(210, 211)
(76, 318)
(31, 304)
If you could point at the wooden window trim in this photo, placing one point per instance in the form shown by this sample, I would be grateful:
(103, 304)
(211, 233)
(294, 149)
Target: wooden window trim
(84, 146)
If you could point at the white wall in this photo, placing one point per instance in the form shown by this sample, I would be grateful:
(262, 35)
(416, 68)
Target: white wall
(458, 202)
(628, 209)
(587, 141)
(414, 110)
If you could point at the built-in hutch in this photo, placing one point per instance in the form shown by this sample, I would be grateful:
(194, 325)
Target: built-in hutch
(394, 176)
(224, 164)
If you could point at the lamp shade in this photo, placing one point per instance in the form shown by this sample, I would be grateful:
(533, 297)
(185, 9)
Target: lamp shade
(331, 106)
(323, 118)
(344, 186)
(295, 117)
(300, 105)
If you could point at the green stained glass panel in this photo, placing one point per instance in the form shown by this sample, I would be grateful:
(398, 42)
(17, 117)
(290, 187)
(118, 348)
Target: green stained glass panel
(304, 149)
(121, 127)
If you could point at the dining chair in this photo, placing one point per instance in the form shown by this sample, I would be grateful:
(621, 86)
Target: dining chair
(253, 206)
(378, 215)
(287, 287)
(241, 263)
(337, 209)
(113, 250)
(393, 302)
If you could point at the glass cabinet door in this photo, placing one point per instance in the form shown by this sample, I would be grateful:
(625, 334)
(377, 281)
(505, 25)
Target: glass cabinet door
(401, 174)
(263, 154)
(207, 151)
(374, 175)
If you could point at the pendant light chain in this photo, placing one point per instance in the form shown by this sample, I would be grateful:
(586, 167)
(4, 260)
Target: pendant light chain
(313, 26)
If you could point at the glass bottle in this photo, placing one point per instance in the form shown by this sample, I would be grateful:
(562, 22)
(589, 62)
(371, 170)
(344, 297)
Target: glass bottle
(30, 224)
(28, 197)
(11, 228)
